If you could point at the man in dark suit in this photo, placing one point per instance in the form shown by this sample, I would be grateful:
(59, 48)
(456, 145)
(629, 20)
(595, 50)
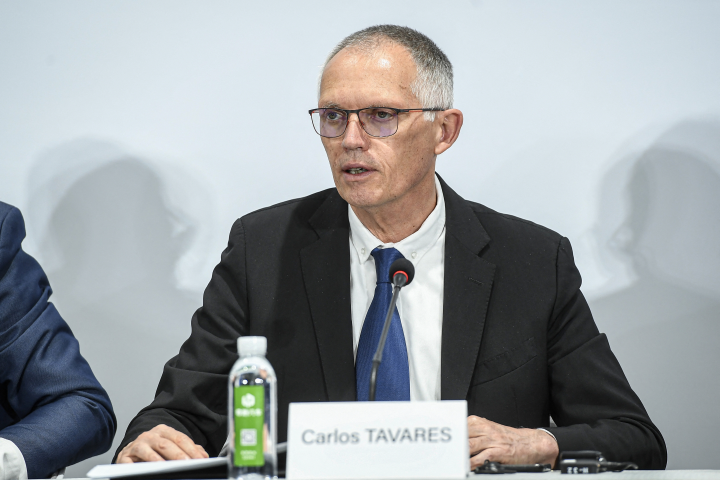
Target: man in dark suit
(53, 412)
(495, 315)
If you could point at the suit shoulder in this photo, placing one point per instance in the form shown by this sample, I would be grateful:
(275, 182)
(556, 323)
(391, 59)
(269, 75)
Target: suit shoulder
(300, 209)
(503, 224)
(6, 210)
(12, 231)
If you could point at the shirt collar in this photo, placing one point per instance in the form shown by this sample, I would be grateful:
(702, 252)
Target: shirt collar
(413, 247)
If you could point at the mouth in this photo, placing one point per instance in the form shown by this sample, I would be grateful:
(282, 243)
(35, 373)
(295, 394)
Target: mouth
(357, 171)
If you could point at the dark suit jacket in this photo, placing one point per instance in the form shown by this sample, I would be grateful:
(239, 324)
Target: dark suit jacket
(518, 340)
(51, 406)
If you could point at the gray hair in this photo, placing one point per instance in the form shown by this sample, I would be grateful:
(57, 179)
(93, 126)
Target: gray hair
(433, 85)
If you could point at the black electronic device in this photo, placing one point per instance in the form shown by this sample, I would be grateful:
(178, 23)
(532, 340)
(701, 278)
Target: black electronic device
(494, 468)
(590, 461)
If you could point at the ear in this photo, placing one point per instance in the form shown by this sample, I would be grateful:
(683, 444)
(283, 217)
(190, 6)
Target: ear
(449, 123)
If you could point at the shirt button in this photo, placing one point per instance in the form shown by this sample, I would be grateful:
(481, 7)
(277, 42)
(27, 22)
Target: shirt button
(362, 250)
(414, 254)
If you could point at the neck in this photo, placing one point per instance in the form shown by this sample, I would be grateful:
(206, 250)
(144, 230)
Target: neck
(397, 220)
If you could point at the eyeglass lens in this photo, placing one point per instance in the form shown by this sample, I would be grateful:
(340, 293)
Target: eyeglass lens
(378, 122)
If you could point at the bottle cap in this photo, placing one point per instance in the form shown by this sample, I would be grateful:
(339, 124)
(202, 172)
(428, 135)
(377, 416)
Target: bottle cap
(249, 346)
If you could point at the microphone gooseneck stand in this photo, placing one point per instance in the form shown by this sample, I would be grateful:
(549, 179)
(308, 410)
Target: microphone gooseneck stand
(377, 358)
(402, 272)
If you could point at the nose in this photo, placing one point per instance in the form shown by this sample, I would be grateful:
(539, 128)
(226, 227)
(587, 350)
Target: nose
(355, 137)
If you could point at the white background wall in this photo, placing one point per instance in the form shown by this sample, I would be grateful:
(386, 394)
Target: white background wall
(132, 134)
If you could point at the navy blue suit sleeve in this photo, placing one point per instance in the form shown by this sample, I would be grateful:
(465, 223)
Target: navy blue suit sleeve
(51, 405)
(592, 402)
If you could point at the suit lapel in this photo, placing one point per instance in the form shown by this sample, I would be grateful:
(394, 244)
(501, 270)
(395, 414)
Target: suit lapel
(468, 283)
(326, 273)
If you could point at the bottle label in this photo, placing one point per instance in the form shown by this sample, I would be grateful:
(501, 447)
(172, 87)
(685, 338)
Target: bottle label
(249, 402)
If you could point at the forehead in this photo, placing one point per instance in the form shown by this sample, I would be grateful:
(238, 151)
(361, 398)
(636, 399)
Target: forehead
(357, 78)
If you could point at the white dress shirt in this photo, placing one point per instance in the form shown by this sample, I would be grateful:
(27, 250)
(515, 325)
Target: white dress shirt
(420, 304)
(12, 462)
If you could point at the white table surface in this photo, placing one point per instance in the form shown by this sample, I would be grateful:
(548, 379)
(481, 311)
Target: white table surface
(629, 475)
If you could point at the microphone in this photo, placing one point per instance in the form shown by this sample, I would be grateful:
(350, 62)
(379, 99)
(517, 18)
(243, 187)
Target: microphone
(402, 273)
(402, 267)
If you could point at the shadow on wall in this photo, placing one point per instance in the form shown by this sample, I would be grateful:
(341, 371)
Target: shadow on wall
(110, 239)
(664, 328)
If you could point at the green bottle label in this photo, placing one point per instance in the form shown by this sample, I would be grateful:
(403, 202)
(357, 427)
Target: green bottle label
(249, 414)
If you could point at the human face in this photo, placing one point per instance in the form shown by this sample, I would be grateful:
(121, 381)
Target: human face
(370, 172)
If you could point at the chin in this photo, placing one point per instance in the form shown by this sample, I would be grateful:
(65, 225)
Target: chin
(359, 198)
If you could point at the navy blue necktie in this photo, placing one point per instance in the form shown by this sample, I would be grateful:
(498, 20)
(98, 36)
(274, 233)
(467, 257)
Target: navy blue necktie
(393, 378)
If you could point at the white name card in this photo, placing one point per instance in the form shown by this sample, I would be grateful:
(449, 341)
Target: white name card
(378, 440)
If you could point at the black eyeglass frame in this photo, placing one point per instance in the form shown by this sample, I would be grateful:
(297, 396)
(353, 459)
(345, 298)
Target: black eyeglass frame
(357, 112)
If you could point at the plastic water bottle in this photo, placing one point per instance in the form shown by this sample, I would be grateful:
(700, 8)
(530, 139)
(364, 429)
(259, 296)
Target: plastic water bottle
(252, 413)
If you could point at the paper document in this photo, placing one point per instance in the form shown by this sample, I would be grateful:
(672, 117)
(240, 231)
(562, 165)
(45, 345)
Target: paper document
(154, 468)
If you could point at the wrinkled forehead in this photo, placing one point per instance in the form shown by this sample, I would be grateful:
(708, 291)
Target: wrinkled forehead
(387, 66)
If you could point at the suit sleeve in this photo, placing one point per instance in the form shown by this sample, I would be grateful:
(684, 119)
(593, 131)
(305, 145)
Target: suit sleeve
(192, 394)
(591, 400)
(51, 406)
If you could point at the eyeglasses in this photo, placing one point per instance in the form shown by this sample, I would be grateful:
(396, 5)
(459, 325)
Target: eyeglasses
(376, 121)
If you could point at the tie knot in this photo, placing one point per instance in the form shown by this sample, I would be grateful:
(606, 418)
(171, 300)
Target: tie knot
(384, 257)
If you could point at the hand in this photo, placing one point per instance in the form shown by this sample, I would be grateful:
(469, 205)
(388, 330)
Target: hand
(160, 444)
(498, 443)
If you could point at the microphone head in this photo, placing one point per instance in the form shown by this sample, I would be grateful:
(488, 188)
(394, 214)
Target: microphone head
(400, 266)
